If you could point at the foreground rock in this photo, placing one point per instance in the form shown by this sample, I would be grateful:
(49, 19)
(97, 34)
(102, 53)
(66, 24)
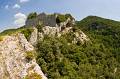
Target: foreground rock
(13, 62)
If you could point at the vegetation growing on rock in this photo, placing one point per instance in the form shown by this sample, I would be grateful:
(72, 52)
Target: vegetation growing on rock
(30, 55)
(60, 18)
(26, 31)
(32, 15)
(1, 38)
(33, 76)
(39, 27)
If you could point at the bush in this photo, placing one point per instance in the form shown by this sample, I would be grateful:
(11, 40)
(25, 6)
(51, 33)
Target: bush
(39, 27)
(33, 76)
(32, 15)
(75, 29)
(1, 38)
(30, 55)
(27, 32)
(60, 18)
(68, 16)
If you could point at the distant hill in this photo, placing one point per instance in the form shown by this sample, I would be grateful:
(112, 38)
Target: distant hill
(98, 21)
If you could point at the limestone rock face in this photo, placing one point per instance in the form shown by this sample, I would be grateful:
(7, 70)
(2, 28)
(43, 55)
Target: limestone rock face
(13, 64)
(40, 36)
(33, 37)
(52, 31)
(64, 24)
(81, 37)
(57, 32)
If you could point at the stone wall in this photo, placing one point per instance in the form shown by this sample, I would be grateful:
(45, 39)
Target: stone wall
(48, 20)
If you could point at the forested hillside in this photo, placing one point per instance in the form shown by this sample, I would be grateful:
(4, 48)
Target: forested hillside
(97, 59)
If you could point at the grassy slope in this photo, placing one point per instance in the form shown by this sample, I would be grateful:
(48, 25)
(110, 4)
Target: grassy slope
(25, 30)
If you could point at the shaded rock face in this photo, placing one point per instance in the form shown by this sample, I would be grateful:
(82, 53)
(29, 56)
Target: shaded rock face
(52, 31)
(46, 20)
(13, 64)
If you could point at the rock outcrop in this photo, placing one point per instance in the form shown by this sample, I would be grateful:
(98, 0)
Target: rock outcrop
(80, 37)
(43, 18)
(57, 32)
(49, 20)
(13, 62)
(14, 49)
(34, 36)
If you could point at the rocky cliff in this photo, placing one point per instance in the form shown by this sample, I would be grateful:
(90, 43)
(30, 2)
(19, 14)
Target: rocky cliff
(18, 52)
(63, 24)
(13, 58)
(52, 20)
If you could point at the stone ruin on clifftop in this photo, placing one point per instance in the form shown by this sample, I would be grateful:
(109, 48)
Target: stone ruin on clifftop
(50, 20)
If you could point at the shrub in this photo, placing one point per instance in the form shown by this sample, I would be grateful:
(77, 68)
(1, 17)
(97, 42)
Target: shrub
(75, 28)
(1, 38)
(30, 55)
(60, 18)
(68, 16)
(39, 27)
(27, 32)
(33, 76)
(32, 15)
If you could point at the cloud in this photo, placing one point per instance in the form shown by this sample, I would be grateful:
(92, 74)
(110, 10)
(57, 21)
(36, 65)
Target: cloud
(20, 19)
(22, 1)
(16, 6)
(7, 7)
